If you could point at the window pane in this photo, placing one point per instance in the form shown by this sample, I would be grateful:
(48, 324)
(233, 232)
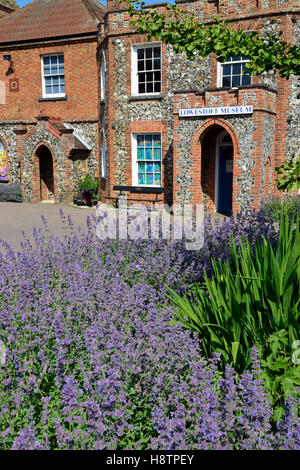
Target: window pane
(46, 60)
(237, 58)
(47, 70)
(236, 69)
(156, 140)
(148, 140)
(141, 179)
(156, 64)
(149, 52)
(149, 154)
(149, 179)
(246, 80)
(157, 167)
(157, 87)
(226, 69)
(140, 53)
(157, 180)
(141, 65)
(55, 80)
(141, 154)
(48, 90)
(149, 87)
(149, 64)
(141, 88)
(156, 154)
(54, 70)
(140, 140)
(141, 167)
(55, 89)
(53, 59)
(149, 76)
(142, 77)
(61, 69)
(236, 80)
(150, 168)
(61, 59)
(156, 51)
(226, 81)
(157, 76)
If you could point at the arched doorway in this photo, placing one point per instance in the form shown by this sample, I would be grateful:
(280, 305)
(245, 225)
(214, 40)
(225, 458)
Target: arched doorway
(217, 169)
(46, 174)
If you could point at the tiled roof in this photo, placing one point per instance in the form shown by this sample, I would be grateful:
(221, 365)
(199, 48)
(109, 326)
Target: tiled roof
(44, 19)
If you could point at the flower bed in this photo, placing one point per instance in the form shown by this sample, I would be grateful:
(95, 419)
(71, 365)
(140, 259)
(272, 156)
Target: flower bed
(92, 361)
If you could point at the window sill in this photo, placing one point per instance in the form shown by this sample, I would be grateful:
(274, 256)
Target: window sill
(145, 97)
(54, 98)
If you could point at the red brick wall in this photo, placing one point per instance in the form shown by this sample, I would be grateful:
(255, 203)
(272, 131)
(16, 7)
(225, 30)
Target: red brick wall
(81, 78)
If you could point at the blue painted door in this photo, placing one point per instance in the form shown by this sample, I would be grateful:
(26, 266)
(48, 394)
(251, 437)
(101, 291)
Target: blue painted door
(225, 179)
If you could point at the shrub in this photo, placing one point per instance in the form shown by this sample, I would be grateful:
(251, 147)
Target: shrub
(290, 206)
(88, 182)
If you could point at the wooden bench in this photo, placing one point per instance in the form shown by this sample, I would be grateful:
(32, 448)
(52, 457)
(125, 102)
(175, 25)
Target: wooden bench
(138, 190)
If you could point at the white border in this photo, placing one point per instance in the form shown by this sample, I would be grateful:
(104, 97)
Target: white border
(134, 72)
(57, 95)
(134, 160)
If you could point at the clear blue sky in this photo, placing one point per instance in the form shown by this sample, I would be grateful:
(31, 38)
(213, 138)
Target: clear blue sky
(21, 3)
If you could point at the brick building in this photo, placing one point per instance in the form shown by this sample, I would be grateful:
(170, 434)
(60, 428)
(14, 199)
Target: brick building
(49, 120)
(83, 92)
(224, 153)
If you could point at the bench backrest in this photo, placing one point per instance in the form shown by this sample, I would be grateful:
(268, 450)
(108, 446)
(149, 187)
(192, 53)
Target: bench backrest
(140, 189)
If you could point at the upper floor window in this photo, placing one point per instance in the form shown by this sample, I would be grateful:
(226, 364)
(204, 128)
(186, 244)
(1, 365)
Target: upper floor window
(53, 72)
(146, 168)
(231, 73)
(146, 69)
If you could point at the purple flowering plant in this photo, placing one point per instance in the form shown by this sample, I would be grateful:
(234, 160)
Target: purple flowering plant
(93, 362)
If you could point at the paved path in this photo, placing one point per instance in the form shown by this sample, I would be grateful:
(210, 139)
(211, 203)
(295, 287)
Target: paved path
(16, 217)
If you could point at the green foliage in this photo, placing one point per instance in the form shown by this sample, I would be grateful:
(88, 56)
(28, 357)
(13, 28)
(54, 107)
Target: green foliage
(252, 299)
(290, 176)
(88, 182)
(290, 206)
(186, 34)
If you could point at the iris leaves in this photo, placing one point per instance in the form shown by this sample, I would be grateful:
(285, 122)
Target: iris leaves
(250, 299)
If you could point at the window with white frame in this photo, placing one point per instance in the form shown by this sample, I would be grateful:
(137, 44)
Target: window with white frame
(53, 73)
(146, 69)
(231, 73)
(103, 158)
(147, 165)
(102, 77)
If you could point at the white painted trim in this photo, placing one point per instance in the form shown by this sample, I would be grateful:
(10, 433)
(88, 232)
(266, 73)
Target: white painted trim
(134, 160)
(134, 72)
(57, 95)
(103, 69)
(103, 156)
(79, 137)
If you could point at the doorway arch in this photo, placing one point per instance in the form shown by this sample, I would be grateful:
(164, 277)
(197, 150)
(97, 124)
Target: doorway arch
(45, 174)
(204, 148)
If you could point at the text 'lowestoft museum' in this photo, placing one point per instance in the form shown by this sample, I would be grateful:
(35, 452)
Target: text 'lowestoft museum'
(81, 91)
